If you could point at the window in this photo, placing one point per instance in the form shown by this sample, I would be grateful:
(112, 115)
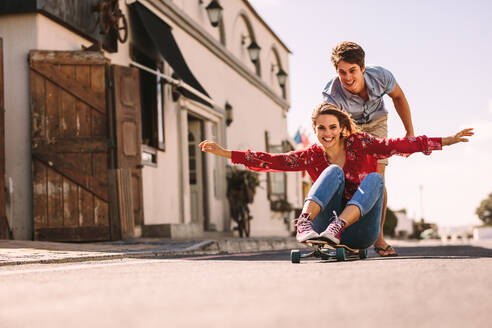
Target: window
(278, 180)
(152, 100)
(192, 158)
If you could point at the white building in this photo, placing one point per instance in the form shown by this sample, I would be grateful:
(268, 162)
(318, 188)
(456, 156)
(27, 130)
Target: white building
(404, 227)
(82, 163)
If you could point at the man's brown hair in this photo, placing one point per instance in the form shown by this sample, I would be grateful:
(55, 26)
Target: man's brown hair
(349, 52)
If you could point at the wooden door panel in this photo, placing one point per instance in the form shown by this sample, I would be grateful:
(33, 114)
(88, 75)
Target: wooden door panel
(38, 105)
(63, 78)
(101, 212)
(86, 206)
(129, 137)
(52, 110)
(99, 124)
(137, 196)
(68, 115)
(54, 192)
(70, 141)
(83, 114)
(72, 170)
(70, 204)
(40, 195)
(83, 75)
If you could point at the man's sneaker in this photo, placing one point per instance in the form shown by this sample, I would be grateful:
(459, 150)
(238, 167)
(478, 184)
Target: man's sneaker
(305, 228)
(334, 230)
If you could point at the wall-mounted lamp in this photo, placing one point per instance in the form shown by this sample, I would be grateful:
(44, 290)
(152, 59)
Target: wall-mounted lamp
(281, 75)
(253, 48)
(228, 113)
(214, 12)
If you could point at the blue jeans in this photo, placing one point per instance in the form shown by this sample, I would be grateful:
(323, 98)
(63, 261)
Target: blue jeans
(327, 192)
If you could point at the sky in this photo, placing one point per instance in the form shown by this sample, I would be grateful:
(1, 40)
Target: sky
(440, 53)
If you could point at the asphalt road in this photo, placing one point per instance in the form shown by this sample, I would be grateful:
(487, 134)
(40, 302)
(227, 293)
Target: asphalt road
(424, 287)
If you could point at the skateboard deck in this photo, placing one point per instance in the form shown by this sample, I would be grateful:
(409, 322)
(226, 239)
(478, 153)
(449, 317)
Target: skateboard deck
(327, 250)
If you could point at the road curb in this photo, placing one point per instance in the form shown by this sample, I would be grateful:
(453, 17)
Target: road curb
(203, 247)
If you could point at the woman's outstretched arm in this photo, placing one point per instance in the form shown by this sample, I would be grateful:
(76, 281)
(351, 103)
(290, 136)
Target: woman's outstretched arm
(261, 161)
(213, 148)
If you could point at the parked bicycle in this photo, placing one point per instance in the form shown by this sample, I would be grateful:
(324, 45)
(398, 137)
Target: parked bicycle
(241, 189)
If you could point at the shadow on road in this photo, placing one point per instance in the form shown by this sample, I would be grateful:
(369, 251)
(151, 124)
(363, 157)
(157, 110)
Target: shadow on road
(460, 251)
(423, 252)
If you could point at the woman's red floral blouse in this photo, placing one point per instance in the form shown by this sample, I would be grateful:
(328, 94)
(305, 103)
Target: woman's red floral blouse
(362, 152)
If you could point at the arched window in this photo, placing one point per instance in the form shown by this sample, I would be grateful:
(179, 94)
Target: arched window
(274, 69)
(243, 37)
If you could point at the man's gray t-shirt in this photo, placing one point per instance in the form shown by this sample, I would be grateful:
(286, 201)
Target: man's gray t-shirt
(379, 81)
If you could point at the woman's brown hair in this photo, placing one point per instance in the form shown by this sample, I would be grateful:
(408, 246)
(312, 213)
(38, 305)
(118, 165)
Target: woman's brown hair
(346, 123)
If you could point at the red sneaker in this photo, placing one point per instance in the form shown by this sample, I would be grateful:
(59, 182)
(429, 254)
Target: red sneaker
(334, 230)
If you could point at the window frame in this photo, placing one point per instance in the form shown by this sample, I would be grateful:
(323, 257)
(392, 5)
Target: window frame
(155, 120)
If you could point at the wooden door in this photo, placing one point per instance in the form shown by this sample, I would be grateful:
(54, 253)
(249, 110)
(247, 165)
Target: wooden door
(4, 227)
(70, 145)
(128, 125)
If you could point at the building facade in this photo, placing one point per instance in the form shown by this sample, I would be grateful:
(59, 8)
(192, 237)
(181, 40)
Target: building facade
(107, 101)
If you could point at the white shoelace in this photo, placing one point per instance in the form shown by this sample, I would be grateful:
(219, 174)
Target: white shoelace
(303, 224)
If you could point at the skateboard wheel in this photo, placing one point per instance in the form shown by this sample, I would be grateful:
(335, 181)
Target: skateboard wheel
(295, 256)
(340, 254)
(363, 253)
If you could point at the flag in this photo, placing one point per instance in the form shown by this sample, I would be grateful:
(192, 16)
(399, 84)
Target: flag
(298, 137)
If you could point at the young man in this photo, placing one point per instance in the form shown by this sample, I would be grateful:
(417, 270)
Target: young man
(359, 90)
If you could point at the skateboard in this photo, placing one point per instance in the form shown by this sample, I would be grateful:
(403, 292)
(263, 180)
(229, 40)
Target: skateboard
(327, 250)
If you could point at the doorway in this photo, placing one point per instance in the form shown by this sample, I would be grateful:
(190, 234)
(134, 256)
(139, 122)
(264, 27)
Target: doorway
(196, 170)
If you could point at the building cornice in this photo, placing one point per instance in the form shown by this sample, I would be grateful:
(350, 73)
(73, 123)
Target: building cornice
(258, 17)
(181, 19)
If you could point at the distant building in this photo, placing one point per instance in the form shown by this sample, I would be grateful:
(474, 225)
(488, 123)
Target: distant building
(106, 102)
(456, 232)
(482, 232)
(404, 227)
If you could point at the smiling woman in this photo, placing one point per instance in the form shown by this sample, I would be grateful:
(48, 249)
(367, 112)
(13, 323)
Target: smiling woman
(343, 167)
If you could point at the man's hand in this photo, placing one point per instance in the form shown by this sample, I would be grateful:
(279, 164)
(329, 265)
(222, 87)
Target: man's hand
(211, 147)
(458, 137)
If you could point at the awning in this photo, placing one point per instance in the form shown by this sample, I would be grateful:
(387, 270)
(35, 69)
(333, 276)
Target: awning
(159, 32)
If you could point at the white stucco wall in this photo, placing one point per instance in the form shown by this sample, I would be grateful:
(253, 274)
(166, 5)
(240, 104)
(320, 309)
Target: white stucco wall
(21, 33)
(254, 111)
(18, 39)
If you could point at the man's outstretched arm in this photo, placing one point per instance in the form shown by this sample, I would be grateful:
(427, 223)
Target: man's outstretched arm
(403, 109)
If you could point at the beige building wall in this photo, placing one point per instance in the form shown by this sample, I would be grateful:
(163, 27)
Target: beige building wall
(166, 188)
(21, 33)
(254, 111)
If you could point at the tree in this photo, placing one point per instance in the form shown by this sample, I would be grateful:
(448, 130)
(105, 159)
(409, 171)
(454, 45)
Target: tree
(484, 211)
(390, 223)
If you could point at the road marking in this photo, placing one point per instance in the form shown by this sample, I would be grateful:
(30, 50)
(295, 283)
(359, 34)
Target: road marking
(135, 261)
(82, 266)
(207, 257)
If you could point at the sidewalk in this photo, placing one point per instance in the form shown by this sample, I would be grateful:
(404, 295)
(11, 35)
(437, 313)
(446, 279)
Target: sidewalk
(15, 252)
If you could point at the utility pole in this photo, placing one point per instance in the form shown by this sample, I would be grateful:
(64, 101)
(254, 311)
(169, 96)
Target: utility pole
(421, 195)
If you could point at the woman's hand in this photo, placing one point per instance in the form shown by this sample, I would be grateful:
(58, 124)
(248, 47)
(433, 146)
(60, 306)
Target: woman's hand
(211, 147)
(458, 137)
